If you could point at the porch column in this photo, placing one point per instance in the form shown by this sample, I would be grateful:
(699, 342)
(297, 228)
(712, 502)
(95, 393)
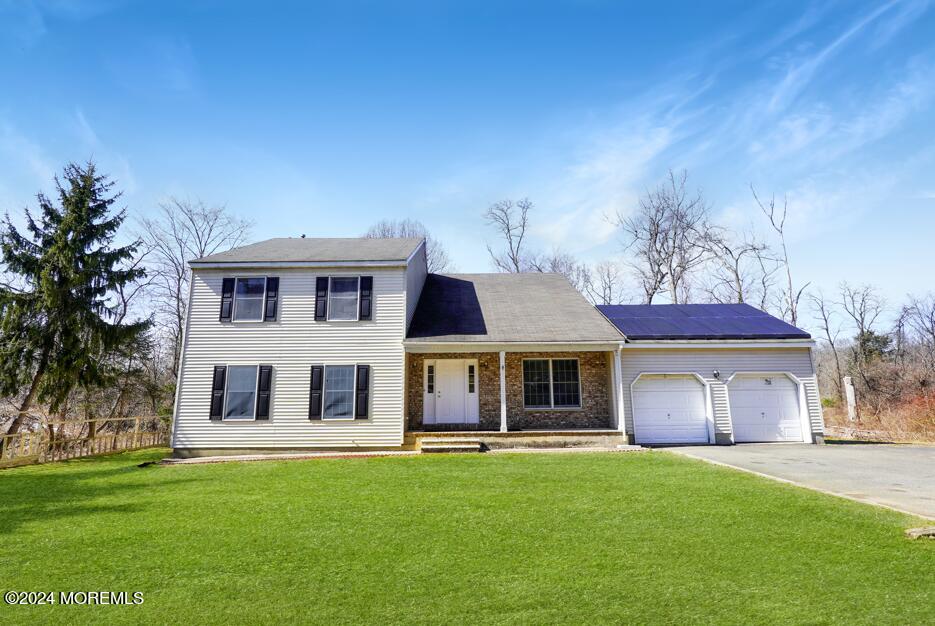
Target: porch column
(618, 392)
(502, 391)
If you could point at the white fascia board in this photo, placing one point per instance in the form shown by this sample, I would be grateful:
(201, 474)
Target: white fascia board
(298, 264)
(718, 343)
(425, 347)
(412, 256)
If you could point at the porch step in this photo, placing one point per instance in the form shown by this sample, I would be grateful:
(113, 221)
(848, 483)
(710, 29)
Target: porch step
(449, 444)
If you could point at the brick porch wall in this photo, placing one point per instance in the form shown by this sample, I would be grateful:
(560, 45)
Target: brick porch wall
(596, 401)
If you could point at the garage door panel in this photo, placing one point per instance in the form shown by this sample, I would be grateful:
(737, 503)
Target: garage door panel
(669, 409)
(765, 408)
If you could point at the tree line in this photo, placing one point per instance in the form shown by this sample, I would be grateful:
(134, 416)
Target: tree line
(674, 250)
(92, 327)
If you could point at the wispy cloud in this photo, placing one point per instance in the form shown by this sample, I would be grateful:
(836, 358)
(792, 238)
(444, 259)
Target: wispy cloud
(801, 72)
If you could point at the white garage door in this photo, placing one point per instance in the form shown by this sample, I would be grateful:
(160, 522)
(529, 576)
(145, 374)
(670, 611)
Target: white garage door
(669, 408)
(765, 408)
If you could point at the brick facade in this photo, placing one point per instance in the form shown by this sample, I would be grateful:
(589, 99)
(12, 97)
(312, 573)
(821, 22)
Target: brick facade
(596, 389)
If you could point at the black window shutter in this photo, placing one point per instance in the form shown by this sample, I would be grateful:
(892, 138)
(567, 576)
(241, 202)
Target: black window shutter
(314, 393)
(321, 298)
(363, 391)
(366, 297)
(217, 391)
(263, 392)
(272, 299)
(227, 299)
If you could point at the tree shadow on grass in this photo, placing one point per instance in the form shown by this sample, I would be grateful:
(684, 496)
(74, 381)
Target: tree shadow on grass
(81, 489)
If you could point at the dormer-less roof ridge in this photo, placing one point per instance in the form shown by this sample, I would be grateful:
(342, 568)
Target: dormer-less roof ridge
(285, 251)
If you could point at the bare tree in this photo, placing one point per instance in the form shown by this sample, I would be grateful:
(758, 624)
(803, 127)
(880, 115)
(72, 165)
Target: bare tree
(919, 316)
(605, 283)
(184, 230)
(436, 256)
(832, 331)
(741, 270)
(511, 221)
(864, 306)
(563, 263)
(667, 235)
(777, 220)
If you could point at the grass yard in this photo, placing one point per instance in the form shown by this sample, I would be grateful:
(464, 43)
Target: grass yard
(646, 537)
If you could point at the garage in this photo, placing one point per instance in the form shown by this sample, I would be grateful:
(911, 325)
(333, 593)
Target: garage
(764, 408)
(669, 408)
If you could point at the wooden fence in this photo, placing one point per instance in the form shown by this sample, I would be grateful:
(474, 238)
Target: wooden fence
(70, 439)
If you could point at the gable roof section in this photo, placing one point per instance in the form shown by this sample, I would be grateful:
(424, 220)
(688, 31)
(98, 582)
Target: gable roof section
(506, 308)
(298, 250)
(698, 321)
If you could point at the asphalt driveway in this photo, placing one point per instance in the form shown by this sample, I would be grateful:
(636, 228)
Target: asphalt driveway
(898, 476)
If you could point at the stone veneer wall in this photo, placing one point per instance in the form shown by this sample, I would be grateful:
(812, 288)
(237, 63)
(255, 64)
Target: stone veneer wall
(593, 370)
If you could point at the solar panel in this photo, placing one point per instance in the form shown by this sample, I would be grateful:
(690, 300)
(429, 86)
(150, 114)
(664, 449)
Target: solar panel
(698, 321)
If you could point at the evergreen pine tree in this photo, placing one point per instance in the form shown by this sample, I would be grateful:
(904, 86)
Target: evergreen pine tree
(59, 323)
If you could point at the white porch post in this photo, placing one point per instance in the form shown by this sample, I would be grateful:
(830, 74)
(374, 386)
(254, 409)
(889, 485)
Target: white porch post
(618, 393)
(502, 391)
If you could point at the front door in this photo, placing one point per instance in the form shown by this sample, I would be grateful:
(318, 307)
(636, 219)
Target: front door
(451, 394)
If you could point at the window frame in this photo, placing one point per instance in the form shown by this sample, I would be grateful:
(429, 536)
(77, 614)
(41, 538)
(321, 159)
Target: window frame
(324, 392)
(256, 392)
(430, 378)
(234, 319)
(551, 406)
(328, 317)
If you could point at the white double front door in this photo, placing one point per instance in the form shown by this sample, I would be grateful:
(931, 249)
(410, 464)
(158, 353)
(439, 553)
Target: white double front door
(450, 391)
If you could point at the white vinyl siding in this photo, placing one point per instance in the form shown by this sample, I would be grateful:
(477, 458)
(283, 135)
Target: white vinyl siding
(702, 361)
(292, 346)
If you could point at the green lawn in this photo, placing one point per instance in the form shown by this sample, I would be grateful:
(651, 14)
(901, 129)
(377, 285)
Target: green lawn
(646, 537)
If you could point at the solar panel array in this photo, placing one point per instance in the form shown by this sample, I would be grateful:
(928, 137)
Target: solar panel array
(698, 321)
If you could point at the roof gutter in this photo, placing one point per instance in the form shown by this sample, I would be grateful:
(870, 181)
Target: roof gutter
(632, 344)
(297, 264)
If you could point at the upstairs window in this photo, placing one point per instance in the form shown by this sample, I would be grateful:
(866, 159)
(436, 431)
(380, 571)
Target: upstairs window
(343, 298)
(249, 296)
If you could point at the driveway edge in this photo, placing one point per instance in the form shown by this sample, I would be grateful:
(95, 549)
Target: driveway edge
(798, 484)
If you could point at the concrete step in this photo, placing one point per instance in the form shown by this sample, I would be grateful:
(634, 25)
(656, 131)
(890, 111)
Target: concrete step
(449, 444)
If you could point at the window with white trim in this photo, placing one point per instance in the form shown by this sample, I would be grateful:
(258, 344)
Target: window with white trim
(240, 397)
(430, 379)
(249, 298)
(551, 383)
(343, 298)
(339, 392)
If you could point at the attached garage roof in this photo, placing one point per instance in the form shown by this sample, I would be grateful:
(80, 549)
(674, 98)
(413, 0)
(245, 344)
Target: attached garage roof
(698, 321)
(506, 308)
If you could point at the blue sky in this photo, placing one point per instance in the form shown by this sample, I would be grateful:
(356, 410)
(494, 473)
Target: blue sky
(323, 118)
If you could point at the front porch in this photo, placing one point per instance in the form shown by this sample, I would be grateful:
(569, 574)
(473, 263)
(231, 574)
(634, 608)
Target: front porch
(539, 396)
(495, 440)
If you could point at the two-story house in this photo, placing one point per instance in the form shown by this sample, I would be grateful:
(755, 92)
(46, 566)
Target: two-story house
(299, 344)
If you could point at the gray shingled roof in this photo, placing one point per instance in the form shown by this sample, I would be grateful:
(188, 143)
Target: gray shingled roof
(299, 250)
(504, 308)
